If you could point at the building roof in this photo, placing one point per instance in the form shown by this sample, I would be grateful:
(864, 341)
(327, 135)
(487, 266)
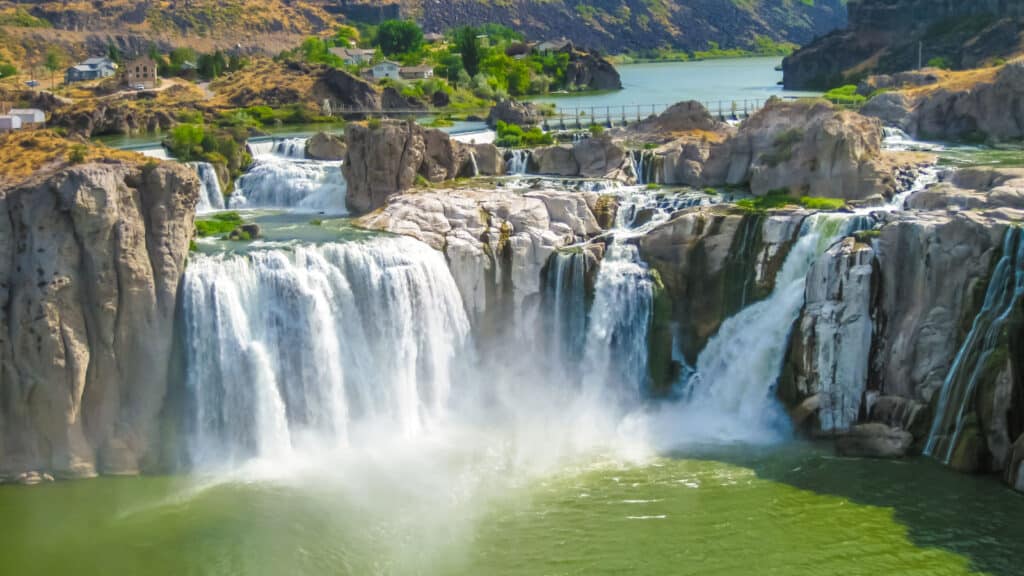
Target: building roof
(93, 64)
(25, 111)
(416, 69)
(433, 37)
(388, 63)
(554, 45)
(352, 52)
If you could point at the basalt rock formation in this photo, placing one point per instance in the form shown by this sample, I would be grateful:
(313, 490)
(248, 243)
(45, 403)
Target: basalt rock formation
(988, 109)
(887, 36)
(385, 158)
(91, 260)
(496, 242)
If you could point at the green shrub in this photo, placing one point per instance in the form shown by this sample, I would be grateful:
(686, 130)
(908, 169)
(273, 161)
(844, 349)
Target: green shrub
(940, 62)
(513, 136)
(845, 96)
(373, 123)
(812, 203)
(596, 130)
(218, 224)
(77, 154)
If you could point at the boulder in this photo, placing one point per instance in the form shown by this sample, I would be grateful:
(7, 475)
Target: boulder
(92, 260)
(489, 159)
(893, 109)
(513, 112)
(385, 157)
(558, 160)
(874, 440)
(979, 188)
(323, 146)
(807, 148)
(589, 71)
(599, 157)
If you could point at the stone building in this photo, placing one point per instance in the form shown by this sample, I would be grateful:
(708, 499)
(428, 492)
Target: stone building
(140, 72)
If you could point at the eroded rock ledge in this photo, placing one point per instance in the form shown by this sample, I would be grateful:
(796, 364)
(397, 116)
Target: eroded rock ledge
(90, 261)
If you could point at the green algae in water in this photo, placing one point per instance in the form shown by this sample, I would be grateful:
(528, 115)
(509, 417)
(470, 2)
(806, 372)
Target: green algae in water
(786, 512)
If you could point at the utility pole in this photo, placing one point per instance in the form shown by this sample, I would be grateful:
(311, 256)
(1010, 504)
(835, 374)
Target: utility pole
(920, 54)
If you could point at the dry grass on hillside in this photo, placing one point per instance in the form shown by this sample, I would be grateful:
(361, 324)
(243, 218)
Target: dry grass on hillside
(28, 152)
(957, 81)
(263, 76)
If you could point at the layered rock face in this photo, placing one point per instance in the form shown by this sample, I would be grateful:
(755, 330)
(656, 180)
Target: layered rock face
(804, 148)
(597, 157)
(496, 242)
(92, 258)
(323, 146)
(884, 36)
(807, 149)
(384, 159)
(713, 262)
(882, 324)
(989, 109)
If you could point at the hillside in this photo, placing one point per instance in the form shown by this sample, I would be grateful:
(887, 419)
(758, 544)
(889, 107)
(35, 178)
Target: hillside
(887, 36)
(611, 26)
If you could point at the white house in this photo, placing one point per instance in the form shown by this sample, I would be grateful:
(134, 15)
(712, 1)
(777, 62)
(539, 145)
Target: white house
(10, 123)
(91, 69)
(386, 69)
(28, 116)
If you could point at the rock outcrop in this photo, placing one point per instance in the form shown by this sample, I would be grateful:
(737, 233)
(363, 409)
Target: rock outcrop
(884, 36)
(384, 159)
(323, 146)
(514, 112)
(111, 118)
(830, 350)
(987, 109)
(596, 157)
(805, 148)
(496, 241)
(997, 191)
(92, 258)
(714, 261)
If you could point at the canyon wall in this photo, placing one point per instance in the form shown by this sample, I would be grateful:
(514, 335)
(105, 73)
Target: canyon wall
(90, 261)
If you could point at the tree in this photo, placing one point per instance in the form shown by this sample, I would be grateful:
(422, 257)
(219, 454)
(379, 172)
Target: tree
(399, 37)
(54, 62)
(113, 52)
(468, 45)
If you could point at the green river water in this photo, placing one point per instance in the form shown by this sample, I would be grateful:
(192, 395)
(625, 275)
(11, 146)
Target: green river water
(786, 511)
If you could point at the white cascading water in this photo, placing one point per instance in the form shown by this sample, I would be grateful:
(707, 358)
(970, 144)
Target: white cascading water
(565, 306)
(210, 195)
(518, 162)
(1005, 290)
(642, 162)
(926, 177)
(730, 393)
(290, 351)
(280, 177)
(898, 140)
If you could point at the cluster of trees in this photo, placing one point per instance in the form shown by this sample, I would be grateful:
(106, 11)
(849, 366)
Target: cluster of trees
(487, 62)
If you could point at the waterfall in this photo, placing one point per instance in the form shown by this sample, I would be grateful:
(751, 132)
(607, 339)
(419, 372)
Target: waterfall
(518, 161)
(898, 140)
(472, 161)
(565, 305)
(303, 350)
(956, 400)
(642, 162)
(294, 148)
(925, 177)
(615, 352)
(278, 182)
(210, 195)
(731, 389)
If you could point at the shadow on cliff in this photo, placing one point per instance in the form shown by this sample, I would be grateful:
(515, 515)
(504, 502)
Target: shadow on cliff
(976, 517)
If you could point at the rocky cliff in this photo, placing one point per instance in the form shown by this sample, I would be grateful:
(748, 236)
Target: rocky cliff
(385, 158)
(977, 105)
(91, 260)
(497, 242)
(886, 36)
(617, 26)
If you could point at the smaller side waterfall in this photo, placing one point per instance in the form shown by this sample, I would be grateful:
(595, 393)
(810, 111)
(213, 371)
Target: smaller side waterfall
(956, 401)
(518, 162)
(926, 176)
(565, 305)
(643, 164)
(276, 182)
(472, 162)
(731, 388)
(210, 195)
